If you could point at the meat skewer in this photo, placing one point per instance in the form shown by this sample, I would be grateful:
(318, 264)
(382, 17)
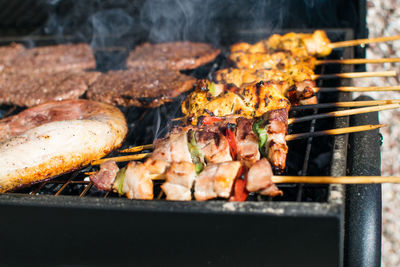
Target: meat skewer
(289, 137)
(218, 178)
(313, 44)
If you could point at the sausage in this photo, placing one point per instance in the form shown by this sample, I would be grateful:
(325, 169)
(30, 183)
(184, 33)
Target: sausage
(56, 137)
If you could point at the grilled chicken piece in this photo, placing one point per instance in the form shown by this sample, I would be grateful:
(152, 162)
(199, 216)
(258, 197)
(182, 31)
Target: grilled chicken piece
(300, 87)
(280, 60)
(246, 142)
(216, 180)
(250, 100)
(213, 145)
(137, 182)
(55, 138)
(179, 182)
(241, 77)
(315, 44)
(259, 179)
(276, 146)
(303, 93)
(105, 178)
(179, 147)
(300, 44)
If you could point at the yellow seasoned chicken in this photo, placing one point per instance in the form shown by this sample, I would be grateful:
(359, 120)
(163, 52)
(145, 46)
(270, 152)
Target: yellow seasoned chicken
(250, 100)
(301, 45)
(240, 77)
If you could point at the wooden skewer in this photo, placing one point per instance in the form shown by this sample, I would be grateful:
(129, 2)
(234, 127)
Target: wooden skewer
(365, 74)
(363, 41)
(342, 113)
(336, 180)
(357, 61)
(358, 89)
(122, 158)
(136, 148)
(352, 129)
(347, 104)
(288, 138)
(320, 179)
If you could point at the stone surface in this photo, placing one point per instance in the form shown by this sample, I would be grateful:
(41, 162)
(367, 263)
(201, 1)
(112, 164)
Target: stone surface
(383, 19)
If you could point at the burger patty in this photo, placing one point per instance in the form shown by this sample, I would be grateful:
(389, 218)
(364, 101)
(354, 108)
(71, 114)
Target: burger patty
(8, 53)
(176, 55)
(33, 89)
(139, 87)
(51, 59)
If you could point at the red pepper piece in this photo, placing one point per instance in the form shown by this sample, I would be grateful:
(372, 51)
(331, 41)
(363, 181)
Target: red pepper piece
(210, 120)
(240, 192)
(230, 136)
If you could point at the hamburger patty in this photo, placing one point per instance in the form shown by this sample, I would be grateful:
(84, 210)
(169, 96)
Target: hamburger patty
(51, 59)
(176, 55)
(33, 89)
(9, 52)
(141, 88)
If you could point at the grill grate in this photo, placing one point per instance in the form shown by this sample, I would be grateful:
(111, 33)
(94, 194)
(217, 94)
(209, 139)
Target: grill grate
(305, 156)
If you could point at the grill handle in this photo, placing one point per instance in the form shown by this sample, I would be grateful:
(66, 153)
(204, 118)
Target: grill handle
(363, 212)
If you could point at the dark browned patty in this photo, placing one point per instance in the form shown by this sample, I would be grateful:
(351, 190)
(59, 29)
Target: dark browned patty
(33, 89)
(51, 59)
(176, 55)
(141, 88)
(8, 53)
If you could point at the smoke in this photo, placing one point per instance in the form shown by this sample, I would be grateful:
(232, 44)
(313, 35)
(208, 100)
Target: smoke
(109, 27)
(180, 20)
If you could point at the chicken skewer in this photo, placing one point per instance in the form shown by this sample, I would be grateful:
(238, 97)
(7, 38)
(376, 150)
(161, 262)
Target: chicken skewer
(314, 44)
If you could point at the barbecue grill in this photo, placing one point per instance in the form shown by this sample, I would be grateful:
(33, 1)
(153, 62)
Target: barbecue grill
(67, 221)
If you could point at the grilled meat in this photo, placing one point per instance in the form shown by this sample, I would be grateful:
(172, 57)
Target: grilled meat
(179, 181)
(213, 145)
(8, 53)
(251, 100)
(104, 178)
(300, 87)
(173, 56)
(259, 179)
(280, 60)
(61, 137)
(246, 142)
(300, 44)
(33, 89)
(275, 145)
(240, 77)
(137, 182)
(216, 180)
(141, 88)
(52, 59)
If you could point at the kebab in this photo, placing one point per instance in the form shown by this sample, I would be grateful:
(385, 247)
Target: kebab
(203, 159)
(303, 45)
(214, 155)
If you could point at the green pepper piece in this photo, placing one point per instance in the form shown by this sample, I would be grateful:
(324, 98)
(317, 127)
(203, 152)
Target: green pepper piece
(197, 157)
(261, 131)
(119, 181)
(199, 167)
(211, 89)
